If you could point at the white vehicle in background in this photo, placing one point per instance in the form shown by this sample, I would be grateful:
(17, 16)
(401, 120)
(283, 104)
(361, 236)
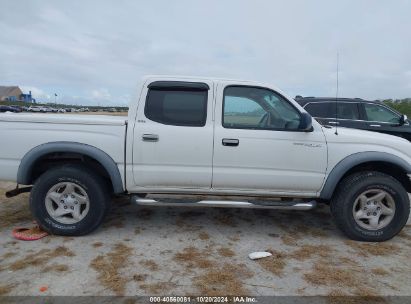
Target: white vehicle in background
(34, 109)
(212, 139)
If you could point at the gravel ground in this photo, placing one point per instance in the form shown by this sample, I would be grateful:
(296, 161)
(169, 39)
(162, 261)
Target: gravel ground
(199, 251)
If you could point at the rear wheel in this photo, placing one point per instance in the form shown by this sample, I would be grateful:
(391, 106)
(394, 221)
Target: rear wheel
(69, 200)
(370, 206)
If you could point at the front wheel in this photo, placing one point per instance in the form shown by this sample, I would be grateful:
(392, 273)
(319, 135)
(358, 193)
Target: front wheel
(370, 206)
(69, 200)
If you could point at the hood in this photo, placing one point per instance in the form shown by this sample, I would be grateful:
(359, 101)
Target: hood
(368, 141)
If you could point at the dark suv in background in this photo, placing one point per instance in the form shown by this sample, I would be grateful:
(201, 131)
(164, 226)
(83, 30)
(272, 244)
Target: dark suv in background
(357, 113)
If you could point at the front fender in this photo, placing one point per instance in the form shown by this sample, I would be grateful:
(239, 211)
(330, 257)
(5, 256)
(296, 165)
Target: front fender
(354, 160)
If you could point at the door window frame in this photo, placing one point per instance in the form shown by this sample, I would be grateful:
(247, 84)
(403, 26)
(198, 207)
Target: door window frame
(258, 129)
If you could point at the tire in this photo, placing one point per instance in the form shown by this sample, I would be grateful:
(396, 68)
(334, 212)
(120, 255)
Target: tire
(349, 208)
(70, 188)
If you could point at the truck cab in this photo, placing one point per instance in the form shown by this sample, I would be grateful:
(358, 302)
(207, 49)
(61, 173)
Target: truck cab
(223, 137)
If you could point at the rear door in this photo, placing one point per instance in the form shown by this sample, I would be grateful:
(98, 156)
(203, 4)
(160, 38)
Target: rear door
(173, 137)
(348, 113)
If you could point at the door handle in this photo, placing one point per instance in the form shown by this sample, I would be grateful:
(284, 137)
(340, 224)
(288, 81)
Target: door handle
(375, 125)
(150, 137)
(230, 142)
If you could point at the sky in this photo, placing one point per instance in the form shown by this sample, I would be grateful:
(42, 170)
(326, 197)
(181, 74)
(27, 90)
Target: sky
(95, 52)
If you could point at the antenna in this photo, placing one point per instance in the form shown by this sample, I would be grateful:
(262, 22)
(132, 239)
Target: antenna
(336, 97)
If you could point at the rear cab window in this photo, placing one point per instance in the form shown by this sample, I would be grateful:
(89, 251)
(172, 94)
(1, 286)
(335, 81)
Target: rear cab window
(177, 103)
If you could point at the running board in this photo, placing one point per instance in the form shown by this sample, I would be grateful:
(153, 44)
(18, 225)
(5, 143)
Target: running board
(284, 205)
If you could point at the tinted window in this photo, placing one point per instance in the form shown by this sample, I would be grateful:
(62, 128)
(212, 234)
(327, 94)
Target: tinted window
(321, 109)
(177, 107)
(327, 110)
(379, 113)
(257, 108)
(348, 111)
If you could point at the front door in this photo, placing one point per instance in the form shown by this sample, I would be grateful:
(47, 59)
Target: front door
(381, 119)
(173, 136)
(258, 146)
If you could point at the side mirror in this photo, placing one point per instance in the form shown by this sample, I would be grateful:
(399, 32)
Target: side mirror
(306, 123)
(403, 119)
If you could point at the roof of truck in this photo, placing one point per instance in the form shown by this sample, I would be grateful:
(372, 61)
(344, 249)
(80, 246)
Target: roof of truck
(198, 78)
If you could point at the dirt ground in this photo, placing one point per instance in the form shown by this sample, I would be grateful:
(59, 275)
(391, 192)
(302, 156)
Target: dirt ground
(199, 251)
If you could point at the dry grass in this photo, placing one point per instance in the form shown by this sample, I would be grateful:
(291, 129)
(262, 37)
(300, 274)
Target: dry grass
(158, 288)
(324, 274)
(347, 261)
(192, 257)
(139, 277)
(234, 238)
(308, 251)
(41, 258)
(337, 296)
(8, 255)
(225, 219)
(150, 265)
(289, 240)
(380, 271)
(108, 267)
(374, 249)
(275, 263)
(403, 234)
(203, 236)
(97, 244)
(226, 252)
(55, 268)
(181, 223)
(6, 289)
(14, 213)
(223, 281)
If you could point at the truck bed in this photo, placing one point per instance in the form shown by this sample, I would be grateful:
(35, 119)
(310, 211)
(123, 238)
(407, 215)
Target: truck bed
(64, 118)
(21, 132)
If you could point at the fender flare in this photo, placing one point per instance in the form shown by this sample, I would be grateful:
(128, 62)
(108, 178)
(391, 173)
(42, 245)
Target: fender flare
(356, 159)
(26, 165)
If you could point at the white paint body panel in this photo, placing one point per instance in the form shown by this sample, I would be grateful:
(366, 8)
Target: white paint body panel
(19, 133)
(192, 159)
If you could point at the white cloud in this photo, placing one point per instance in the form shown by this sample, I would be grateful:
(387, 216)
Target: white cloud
(37, 93)
(100, 94)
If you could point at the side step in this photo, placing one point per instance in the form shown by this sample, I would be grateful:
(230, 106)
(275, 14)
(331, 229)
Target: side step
(283, 205)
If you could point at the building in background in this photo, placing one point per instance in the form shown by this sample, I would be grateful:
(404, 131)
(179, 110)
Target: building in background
(14, 94)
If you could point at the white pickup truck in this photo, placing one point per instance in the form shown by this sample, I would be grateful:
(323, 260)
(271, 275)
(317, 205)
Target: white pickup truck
(212, 142)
